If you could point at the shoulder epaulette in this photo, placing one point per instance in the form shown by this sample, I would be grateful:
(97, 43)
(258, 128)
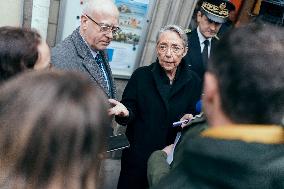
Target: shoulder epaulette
(216, 37)
(187, 30)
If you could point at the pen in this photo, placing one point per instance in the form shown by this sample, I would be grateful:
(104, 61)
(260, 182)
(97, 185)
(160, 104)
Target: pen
(179, 123)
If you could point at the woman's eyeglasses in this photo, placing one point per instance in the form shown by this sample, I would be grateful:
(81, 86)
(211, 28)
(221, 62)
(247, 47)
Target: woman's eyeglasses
(173, 48)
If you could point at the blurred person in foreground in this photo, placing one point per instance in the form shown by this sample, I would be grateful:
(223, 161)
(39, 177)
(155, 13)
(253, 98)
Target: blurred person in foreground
(155, 96)
(21, 49)
(52, 131)
(85, 49)
(244, 105)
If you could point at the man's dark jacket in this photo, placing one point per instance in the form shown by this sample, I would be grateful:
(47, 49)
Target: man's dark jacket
(194, 56)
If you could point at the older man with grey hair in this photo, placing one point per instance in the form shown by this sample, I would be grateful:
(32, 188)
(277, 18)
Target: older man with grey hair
(84, 49)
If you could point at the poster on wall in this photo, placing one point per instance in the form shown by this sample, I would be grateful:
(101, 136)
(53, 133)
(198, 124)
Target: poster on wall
(124, 49)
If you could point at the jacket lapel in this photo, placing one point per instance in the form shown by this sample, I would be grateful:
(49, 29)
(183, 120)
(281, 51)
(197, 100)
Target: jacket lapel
(183, 76)
(196, 50)
(89, 62)
(165, 90)
(266, 134)
(93, 68)
(161, 82)
(109, 74)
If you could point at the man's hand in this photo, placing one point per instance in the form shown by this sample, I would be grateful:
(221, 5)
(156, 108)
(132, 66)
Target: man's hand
(117, 109)
(168, 149)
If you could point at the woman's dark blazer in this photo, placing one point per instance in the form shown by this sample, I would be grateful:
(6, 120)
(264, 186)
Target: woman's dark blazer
(154, 105)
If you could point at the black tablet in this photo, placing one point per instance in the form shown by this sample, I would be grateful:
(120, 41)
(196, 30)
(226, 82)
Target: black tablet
(117, 142)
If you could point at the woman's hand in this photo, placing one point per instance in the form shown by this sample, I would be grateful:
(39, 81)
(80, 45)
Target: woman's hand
(186, 116)
(117, 109)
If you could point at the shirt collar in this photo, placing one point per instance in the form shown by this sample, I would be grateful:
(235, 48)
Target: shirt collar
(201, 37)
(267, 134)
(94, 53)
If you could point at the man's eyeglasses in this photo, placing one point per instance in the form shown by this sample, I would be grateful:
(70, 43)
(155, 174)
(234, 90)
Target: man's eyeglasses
(105, 27)
(174, 48)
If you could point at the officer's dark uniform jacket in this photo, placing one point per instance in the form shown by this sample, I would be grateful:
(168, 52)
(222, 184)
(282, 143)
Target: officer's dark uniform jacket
(194, 56)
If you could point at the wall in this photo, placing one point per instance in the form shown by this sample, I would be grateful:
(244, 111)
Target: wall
(52, 22)
(11, 12)
(40, 14)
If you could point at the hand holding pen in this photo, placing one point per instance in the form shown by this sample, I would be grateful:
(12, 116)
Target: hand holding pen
(189, 117)
(183, 121)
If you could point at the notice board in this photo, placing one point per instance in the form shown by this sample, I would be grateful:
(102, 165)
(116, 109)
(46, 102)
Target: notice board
(125, 50)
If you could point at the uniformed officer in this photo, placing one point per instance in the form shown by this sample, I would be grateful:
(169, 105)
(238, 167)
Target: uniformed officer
(211, 15)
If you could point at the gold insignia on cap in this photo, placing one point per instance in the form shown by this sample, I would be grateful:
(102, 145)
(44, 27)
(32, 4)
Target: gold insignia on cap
(220, 10)
(187, 30)
(222, 6)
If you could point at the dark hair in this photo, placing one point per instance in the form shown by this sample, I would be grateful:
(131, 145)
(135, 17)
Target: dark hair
(249, 65)
(18, 50)
(52, 127)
